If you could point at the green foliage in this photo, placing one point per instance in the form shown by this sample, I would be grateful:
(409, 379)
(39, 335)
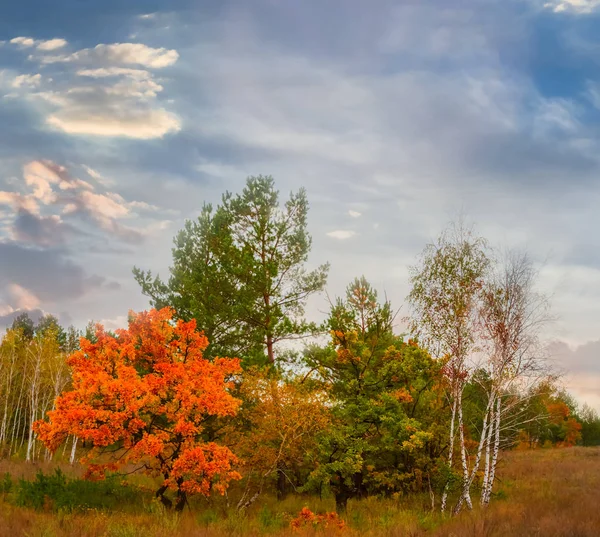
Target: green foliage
(6, 484)
(590, 426)
(239, 271)
(57, 492)
(384, 437)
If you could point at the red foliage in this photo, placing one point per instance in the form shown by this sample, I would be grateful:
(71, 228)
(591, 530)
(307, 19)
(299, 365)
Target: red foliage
(327, 520)
(142, 396)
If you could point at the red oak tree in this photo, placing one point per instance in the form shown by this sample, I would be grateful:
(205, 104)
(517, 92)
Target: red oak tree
(140, 397)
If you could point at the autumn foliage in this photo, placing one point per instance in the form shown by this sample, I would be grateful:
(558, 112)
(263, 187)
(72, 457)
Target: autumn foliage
(141, 397)
(306, 518)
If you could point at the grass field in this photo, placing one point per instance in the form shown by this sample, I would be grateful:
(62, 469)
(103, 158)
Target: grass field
(554, 492)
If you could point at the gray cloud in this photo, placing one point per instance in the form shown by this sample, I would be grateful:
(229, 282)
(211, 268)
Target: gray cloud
(48, 273)
(40, 230)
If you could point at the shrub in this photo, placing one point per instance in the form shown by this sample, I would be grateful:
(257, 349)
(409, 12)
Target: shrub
(54, 492)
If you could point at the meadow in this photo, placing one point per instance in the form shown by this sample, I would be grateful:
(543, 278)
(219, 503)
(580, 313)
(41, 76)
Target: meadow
(542, 492)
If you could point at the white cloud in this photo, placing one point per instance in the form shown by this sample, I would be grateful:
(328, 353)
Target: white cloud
(124, 107)
(51, 44)
(120, 54)
(341, 234)
(577, 6)
(24, 42)
(19, 201)
(354, 214)
(116, 121)
(29, 81)
(104, 72)
(41, 177)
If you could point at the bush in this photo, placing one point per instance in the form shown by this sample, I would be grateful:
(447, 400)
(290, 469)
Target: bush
(54, 492)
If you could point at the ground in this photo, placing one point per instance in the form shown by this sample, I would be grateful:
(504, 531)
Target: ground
(553, 492)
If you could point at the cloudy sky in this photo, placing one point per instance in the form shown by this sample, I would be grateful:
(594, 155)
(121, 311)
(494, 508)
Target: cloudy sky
(118, 119)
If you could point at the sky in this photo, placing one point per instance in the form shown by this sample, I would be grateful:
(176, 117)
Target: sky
(118, 120)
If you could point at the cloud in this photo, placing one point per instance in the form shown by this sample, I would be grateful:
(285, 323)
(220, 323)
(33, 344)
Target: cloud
(30, 81)
(354, 214)
(47, 273)
(341, 234)
(576, 6)
(120, 54)
(100, 95)
(582, 364)
(24, 42)
(22, 298)
(40, 230)
(51, 44)
(42, 45)
(95, 113)
(8, 315)
(104, 72)
(54, 198)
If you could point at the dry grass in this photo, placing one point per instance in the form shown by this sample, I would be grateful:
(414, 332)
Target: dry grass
(541, 493)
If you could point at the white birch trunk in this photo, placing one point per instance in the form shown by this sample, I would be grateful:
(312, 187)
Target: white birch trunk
(487, 424)
(450, 454)
(33, 401)
(488, 446)
(73, 450)
(4, 427)
(494, 461)
(463, 451)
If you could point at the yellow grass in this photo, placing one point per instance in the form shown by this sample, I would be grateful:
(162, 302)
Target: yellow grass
(541, 493)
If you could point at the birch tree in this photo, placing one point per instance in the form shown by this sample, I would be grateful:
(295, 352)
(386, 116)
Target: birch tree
(445, 288)
(512, 315)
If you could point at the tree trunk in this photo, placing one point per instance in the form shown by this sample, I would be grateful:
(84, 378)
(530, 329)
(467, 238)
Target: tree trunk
(341, 501)
(181, 500)
(487, 423)
(463, 450)
(490, 484)
(488, 446)
(160, 494)
(450, 454)
(73, 450)
(281, 482)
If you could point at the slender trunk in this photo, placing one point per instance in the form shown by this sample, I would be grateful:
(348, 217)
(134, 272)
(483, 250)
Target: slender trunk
(450, 454)
(73, 450)
(488, 447)
(281, 482)
(16, 423)
(3, 429)
(463, 449)
(494, 461)
(487, 423)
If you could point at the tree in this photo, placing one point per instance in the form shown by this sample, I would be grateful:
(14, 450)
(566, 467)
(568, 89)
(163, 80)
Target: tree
(590, 426)
(202, 285)
(511, 315)
(239, 271)
(444, 299)
(383, 403)
(25, 324)
(141, 397)
(276, 437)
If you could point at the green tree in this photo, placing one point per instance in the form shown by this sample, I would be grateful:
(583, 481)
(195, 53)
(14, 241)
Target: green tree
(240, 272)
(383, 437)
(24, 324)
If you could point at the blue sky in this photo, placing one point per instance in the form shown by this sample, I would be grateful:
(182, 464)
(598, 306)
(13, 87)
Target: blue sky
(120, 118)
